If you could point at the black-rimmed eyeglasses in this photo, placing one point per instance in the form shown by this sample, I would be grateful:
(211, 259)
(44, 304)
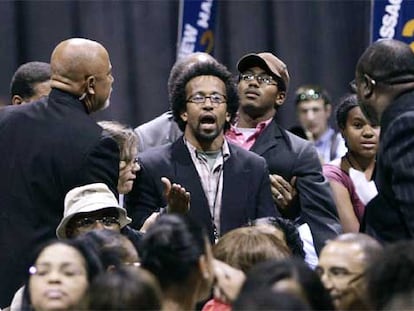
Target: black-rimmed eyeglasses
(260, 78)
(353, 83)
(89, 222)
(131, 161)
(200, 99)
(401, 78)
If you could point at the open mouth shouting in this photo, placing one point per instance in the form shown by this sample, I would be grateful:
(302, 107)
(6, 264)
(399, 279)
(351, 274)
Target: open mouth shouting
(208, 122)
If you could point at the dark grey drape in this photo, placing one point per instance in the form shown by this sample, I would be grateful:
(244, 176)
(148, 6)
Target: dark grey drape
(319, 40)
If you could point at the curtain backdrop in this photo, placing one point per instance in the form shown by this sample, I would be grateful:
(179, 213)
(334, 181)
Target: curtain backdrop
(320, 41)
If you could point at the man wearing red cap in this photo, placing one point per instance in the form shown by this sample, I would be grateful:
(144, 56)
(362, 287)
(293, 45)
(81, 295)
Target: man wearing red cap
(299, 189)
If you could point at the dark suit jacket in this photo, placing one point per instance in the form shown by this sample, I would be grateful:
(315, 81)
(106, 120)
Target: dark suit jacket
(246, 189)
(390, 215)
(289, 155)
(47, 148)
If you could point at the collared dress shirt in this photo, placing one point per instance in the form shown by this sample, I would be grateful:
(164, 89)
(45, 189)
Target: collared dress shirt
(211, 178)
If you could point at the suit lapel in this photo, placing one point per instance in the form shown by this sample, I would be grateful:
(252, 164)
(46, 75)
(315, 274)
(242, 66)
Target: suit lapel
(184, 169)
(267, 139)
(186, 175)
(235, 177)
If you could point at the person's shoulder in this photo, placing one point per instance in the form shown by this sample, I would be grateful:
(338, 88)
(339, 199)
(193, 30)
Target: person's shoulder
(27, 111)
(298, 144)
(333, 167)
(156, 153)
(156, 124)
(243, 154)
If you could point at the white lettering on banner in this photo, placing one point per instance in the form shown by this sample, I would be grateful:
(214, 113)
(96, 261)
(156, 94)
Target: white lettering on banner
(205, 13)
(188, 41)
(390, 19)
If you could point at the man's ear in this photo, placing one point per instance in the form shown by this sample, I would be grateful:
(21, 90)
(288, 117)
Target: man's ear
(90, 84)
(328, 109)
(17, 100)
(184, 116)
(367, 86)
(280, 99)
(228, 116)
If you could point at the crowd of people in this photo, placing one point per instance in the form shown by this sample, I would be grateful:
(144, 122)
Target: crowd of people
(212, 205)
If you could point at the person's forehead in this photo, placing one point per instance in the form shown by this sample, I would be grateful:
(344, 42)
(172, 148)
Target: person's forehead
(204, 82)
(342, 254)
(313, 103)
(59, 252)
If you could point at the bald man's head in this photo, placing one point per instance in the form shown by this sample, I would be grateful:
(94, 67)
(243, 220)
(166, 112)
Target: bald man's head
(187, 61)
(82, 67)
(387, 60)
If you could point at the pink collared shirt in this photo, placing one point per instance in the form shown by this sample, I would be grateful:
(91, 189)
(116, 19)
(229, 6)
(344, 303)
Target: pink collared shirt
(236, 136)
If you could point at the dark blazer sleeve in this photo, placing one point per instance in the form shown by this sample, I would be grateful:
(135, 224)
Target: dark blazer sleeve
(102, 164)
(246, 190)
(399, 155)
(317, 206)
(264, 202)
(390, 215)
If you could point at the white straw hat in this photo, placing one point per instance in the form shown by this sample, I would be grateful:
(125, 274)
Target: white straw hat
(89, 198)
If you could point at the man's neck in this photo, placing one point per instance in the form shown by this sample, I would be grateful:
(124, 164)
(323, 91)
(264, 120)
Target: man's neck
(206, 146)
(319, 135)
(248, 121)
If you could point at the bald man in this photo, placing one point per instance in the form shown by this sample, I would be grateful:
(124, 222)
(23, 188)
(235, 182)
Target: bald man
(342, 266)
(48, 148)
(163, 130)
(384, 83)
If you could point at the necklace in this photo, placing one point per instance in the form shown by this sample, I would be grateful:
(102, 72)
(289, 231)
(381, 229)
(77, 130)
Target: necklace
(348, 159)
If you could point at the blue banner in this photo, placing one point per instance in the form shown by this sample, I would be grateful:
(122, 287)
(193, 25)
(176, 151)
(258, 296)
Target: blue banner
(393, 19)
(196, 27)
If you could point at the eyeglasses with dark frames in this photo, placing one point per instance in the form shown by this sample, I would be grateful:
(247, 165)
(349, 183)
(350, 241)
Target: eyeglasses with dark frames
(200, 99)
(260, 78)
(392, 80)
(89, 222)
(353, 83)
(133, 161)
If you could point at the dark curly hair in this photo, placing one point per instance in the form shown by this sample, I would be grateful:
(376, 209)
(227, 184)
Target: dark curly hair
(346, 103)
(179, 96)
(171, 249)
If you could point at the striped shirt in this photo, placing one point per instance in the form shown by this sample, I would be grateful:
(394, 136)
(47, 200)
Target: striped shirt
(211, 178)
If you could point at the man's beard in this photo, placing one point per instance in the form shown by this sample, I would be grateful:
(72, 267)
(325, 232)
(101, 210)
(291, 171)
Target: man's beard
(107, 101)
(210, 136)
